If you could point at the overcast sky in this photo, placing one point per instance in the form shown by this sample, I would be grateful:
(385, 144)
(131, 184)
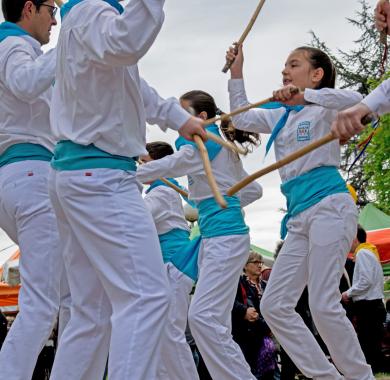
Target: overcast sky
(189, 54)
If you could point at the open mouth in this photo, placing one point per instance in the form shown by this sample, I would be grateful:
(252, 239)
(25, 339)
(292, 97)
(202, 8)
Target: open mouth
(287, 82)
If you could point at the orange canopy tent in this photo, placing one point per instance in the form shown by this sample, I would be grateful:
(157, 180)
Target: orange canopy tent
(9, 294)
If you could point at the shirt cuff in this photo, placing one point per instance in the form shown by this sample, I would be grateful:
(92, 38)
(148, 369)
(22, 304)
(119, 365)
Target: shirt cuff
(373, 101)
(178, 117)
(311, 96)
(235, 85)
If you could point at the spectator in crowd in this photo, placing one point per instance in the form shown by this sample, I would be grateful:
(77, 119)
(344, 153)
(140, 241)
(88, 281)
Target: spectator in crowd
(367, 295)
(249, 329)
(3, 328)
(386, 340)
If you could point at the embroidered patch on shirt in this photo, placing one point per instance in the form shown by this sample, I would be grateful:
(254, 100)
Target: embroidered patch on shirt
(303, 131)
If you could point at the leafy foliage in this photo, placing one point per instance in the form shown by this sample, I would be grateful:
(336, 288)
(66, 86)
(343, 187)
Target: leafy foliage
(361, 69)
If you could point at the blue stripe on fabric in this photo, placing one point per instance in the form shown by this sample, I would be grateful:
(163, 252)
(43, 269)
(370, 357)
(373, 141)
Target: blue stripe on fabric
(71, 3)
(216, 221)
(71, 156)
(10, 29)
(178, 249)
(282, 121)
(25, 152)
(308, 189)
(186, 260)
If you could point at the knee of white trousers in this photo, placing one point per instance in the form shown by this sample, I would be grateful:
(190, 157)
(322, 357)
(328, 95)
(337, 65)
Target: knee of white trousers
(197, 319)
(272, 309)
(322, 310)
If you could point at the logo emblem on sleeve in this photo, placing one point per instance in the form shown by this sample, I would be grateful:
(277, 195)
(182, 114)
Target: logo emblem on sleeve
(303, 131)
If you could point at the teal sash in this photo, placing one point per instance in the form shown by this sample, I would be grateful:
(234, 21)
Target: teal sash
(308, 189)
(172, 241)
(186, 260)
(216, 221)
(71, 3)
(71, 156)
(182, 252)
(25, 152)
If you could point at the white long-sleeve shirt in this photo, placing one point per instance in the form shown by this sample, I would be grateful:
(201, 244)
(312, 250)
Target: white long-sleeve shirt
(227, 169)
(166, 207)
(378, 100)
(99, 97)
(367, 277)
(301, 129)
(26, 77)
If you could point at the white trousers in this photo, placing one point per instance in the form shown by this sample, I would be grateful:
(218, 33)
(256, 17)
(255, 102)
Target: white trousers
(116, 277)
(177, 360)
(221, 261)
(314, 255)
(27, 217)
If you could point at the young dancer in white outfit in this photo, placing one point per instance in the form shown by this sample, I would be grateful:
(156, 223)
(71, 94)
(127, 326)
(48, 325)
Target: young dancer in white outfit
(26, 146)
(321, 219)
(181, 258)
(113, 257)
(225, 240)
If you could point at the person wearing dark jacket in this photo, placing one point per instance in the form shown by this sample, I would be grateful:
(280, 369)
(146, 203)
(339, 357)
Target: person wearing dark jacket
(248, 326)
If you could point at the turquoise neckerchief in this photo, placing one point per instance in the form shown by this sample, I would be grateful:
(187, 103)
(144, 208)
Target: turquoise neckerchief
(158, 183)
(216, 221)
(25, 152)
(71, 3)
(69, 155)
(9, 29)
(308, 189)
(282, 121)
(212, 147)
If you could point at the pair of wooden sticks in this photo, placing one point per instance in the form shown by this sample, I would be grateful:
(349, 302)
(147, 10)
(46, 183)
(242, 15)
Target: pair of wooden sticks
(288, 159)
(203, 151)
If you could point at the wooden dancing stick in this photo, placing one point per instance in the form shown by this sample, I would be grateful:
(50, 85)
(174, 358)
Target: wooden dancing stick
(174, 187)
(246, 32)
(169, 183)
(59, 3)
(284, 161)
(238, 111)
(228, 144)
(291, 157)
(243, 109)
(209, 173)
(224, 143)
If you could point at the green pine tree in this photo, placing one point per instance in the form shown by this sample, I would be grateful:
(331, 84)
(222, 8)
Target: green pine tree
(362, 69)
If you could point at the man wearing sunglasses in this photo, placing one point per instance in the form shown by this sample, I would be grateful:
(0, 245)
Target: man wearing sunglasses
(26, 146)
